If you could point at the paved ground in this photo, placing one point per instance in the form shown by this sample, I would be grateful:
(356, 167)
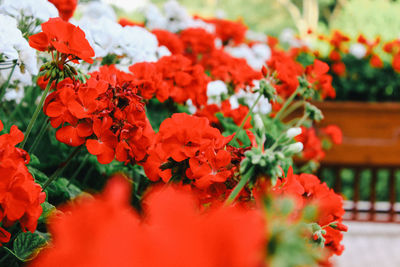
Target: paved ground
(371, 245)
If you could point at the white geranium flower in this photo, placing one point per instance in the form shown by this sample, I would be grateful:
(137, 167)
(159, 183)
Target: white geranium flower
(174, 18)
(138, 44)
(99, 10)
(233, 100)
(103, 34)
(262, 51)
(15, 48)
(358, 50)
(214, 91)
(255, 56)
(192, 108)
(154, 18)
(13, 94)
(256, 36)
(263, 106)
(162, 51)
(37, 9)
(216, 88)
(288, 36)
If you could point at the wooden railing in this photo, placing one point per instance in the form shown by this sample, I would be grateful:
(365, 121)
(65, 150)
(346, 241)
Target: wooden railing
(371, 141)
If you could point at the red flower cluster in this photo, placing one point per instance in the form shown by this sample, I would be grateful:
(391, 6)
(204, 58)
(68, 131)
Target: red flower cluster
(199, 46)
(64, 37)
(393, 48)
(334, 133)
(107, 108)
(287, 72)
(229, 31)
(20, 196)
(172, 77)
(169, 40)
(312, 149)
(317, 75)
(235, 71)
(172, 233)
(187, 147)
(307, 189)
(237, 114)
(197, 42)
(65, 8)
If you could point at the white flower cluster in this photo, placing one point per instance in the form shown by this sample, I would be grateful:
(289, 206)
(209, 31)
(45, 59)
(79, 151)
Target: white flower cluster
(215, 90)
(174, 18)
(288, 36)
(132, 43)
(263, 106)
(14, 49)
(256, 55)
(29, 12)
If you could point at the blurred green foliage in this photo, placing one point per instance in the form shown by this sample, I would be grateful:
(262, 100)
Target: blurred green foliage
(370, 17)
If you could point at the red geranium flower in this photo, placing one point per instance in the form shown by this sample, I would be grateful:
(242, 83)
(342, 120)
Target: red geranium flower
(169, 40)
(200, 153)
(173, 231)
(64, 37)
(20, 196)
(108, 107)
(317, 75)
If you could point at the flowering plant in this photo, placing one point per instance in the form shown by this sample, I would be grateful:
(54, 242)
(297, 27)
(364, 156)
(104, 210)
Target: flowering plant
(362, 69)
(189, 118)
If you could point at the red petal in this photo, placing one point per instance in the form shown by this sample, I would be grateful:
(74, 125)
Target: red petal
(95, 147)
(39, 41)
(69, 135)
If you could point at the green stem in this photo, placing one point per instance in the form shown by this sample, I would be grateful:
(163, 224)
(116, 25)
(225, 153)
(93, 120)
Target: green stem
(5, 86)
(39, 136)
(292, 108)
(300, 122)
(243, 181)
(247, 116)
(36, 113)
(287, 103)
(61, 168)
(83, 162)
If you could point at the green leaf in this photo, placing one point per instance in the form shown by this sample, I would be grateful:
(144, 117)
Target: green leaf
(27, 245)
(39, 176)
(72, 190)
(34, 160)
(47, 210)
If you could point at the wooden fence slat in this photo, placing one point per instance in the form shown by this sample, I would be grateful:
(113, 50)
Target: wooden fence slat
(373, 194)
(356, 192)
(392, 193)
(338, 179)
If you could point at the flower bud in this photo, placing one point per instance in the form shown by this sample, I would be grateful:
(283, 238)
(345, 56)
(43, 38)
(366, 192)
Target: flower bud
(293, 132)
(295, 148)
(258, 123)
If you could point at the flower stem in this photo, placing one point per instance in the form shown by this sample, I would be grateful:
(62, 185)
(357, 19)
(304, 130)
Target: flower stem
(292, 108)
(39, 136)
(36, 113)
(61, 167)
(5, 85)
(83, 162)
(247, 116)
(287, 103)
(235, 192)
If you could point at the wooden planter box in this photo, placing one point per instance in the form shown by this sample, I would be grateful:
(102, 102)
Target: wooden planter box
(371, 133)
